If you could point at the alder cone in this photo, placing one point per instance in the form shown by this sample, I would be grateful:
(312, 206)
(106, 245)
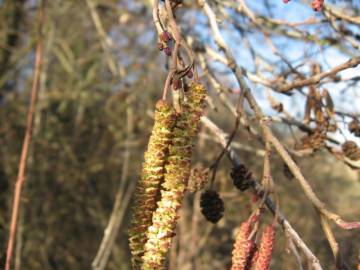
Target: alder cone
(212, 206)
(351, 150)
(266, 248)
(354, 127)
(241, 177)
(177, 172)
(148, 187)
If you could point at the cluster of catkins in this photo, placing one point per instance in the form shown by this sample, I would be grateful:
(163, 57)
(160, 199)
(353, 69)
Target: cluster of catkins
(247, 254)
(166, 170)
(317, 5)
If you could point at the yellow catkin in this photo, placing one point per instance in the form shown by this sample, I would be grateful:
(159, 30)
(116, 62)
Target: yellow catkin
(175, 181)
(148, 188)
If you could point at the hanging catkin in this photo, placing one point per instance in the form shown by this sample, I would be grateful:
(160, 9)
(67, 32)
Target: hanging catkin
(242, 247)
(175, 181)
(266, 248)
(148, 188)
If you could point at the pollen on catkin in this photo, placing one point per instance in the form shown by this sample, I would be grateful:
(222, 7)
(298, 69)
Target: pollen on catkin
(242, 247)
(177, 173)
(266, 248)
(148, 188)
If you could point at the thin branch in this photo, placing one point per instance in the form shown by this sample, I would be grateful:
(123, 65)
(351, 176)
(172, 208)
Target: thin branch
(122, 200)
(263, 120)
(288, 229)
(27, 139)
(351, 63)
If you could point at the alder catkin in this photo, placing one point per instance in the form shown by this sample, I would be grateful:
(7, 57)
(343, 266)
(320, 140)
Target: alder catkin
(266, 248)
(148, 188)
(177, 173)
(242, 247)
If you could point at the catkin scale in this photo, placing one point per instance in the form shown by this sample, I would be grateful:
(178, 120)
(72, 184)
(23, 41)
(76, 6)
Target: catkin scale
(266, 248)
(147, 190)
(177, 173)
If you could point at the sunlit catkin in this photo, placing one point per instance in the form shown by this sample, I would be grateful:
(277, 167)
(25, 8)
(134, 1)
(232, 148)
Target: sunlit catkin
(176, 177)
(266, 248)
(242, 247)
(148, 188)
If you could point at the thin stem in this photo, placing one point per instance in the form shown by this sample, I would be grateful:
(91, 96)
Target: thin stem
(27, 138)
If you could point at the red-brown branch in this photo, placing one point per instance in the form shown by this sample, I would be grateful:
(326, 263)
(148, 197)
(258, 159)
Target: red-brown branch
(27, 140)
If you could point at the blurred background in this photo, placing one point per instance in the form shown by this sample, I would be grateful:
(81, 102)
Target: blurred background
(102, 74)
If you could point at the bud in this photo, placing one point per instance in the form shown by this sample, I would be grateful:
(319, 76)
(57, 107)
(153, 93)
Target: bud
(167, 51)
(176, 84)
(317, 5)
(160, 46)
(190, 74)
(165, 36)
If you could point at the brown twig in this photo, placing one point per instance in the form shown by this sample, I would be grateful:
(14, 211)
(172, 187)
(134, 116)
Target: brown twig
(310, 194)
(340, 264)
(27, 138)
(288, 229)
(351, 63)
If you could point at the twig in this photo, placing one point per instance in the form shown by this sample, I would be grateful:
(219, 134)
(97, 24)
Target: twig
(105, 41)
(122, 200)
(351, 63)
(27, 138)
(263, 120)
(340, 264)
(294, 251)
(288, 229)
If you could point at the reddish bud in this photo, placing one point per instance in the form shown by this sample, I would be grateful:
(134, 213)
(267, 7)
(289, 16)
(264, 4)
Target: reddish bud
(165, 36)
(167, 51)
(190, 74)
(160, 46)
(317, 5)
(176, 84)
(254, 198)
(286, 1)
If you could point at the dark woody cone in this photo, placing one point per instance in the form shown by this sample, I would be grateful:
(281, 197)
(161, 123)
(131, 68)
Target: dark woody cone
(241, 177)
(212, 206)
